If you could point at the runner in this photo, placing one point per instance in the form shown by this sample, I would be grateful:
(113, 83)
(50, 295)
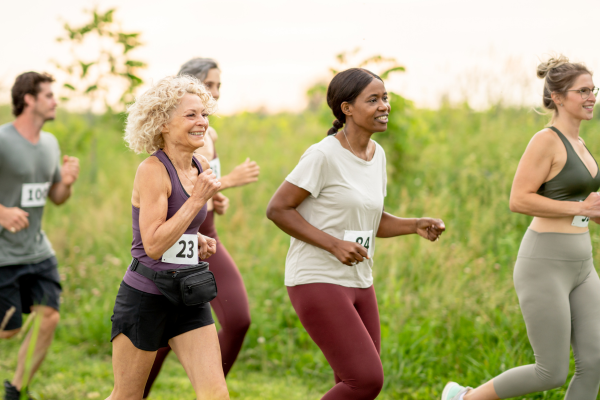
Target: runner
(164, 296)
(30, 172)
(332, 206)
(231, 305)
(554, 276)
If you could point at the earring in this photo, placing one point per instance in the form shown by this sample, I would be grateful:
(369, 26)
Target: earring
(561, 104)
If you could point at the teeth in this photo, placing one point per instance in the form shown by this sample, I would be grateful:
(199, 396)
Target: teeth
(382, 117)
(197, 133)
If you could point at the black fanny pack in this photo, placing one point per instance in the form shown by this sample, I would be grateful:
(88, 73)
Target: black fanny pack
(190, 286)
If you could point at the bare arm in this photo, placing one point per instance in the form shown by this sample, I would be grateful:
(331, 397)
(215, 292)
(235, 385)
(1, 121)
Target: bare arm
(533, 170)
(282, 211)
(391, 226)
(153, 187)
(61, 191)
(245, 173)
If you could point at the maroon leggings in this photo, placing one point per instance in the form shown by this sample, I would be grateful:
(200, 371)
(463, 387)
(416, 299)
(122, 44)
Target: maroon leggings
(344, 323)
(230, 305)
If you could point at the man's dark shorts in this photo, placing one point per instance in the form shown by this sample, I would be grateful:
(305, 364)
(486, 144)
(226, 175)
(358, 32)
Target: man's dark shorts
(22, 286)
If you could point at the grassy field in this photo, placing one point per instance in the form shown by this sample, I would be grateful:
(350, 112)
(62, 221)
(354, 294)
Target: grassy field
(448, 310)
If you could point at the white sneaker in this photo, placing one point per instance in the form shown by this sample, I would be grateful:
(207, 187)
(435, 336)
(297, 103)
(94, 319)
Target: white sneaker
(453, 391)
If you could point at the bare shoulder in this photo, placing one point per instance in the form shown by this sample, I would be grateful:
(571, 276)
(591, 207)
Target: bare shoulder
(212, 133)
(203, 161)
(149, 170)
(545, 140)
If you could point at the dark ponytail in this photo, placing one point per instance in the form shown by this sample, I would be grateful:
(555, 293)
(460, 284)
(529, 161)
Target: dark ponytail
(345, 87)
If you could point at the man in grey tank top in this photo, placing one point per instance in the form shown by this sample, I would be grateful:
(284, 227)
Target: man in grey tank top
(30, 172)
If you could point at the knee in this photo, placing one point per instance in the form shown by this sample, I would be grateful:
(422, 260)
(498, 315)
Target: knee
(554, 378)
(50, 318)
(238, 325)
(590, 363)
(368, 386)
(9, 334)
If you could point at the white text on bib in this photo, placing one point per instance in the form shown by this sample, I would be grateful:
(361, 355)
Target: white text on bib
(580, 221)
(215, 165)
(34, 194)
(361, 237)
(184, 251)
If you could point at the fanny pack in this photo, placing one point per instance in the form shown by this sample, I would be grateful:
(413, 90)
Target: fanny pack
(190, 286)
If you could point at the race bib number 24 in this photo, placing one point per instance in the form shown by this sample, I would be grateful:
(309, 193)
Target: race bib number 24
(184, 251)
(364, 238)
(34, 194)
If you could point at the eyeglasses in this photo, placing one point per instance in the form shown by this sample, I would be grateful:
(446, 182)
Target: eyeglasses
(585, 92)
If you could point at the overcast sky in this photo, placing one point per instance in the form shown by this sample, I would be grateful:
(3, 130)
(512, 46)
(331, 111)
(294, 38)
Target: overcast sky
(271, 51)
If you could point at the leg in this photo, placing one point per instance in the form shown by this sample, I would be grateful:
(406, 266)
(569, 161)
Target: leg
(49, 320)
(329, 315)
(543, 287)
(131, 367)
(585, 311)
(198, 351)
(231, 306)
(161, 355)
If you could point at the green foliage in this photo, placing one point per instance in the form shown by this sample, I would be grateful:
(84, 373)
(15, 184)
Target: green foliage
(448, 309)
(109, 69)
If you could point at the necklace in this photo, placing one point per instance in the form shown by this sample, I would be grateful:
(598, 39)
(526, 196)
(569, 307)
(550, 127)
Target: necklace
(176, 169)
(347, 141)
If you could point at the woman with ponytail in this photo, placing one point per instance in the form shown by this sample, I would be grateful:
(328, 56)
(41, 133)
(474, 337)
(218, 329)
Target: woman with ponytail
(558, 288)
(332, 206)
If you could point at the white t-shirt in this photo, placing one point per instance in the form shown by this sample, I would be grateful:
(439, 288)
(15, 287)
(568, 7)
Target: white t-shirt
(346, 194)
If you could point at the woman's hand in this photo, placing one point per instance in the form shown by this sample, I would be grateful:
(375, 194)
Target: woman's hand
(430, 228)
(349, 253)
(206, 186)
(207, 246)
(220, 203)
(245, 173)
(591, 206)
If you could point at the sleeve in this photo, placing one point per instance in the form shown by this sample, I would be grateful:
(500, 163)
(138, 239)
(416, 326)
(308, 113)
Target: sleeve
(57, 177)
(384, 169)
(311, 172)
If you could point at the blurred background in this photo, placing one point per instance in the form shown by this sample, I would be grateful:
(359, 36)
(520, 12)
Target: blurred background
(462, 78)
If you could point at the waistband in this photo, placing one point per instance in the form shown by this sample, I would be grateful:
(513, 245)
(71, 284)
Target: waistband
(556, 246)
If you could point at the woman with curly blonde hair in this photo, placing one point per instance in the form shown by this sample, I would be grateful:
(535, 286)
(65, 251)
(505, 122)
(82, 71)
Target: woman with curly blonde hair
(170, 193)
(558, 288)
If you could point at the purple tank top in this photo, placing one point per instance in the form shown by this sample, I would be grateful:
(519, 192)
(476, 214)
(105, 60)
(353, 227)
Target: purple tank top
(176, 200)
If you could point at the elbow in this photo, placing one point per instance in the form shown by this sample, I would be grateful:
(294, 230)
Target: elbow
(271, 213)
(152, 252)
(515, 205)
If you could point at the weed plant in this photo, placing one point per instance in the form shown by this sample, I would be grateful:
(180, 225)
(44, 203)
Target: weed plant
(448, 309)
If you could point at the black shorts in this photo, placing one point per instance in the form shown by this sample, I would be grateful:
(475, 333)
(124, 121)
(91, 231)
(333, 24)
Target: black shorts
(22, 286)
(150, 320)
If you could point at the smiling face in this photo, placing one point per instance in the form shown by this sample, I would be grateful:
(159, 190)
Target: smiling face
(213, 82)
(188, 124)
(572, 103)
(370, 110)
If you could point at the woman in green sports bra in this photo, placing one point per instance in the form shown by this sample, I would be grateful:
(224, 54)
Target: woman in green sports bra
(555, 279)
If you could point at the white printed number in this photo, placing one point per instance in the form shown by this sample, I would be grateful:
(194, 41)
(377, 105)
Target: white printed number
(364, 238)
(184, 251)
(34, 194)
(580, 221)
(215, 165)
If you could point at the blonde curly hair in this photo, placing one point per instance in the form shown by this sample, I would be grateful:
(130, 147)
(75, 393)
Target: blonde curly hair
(152, 110)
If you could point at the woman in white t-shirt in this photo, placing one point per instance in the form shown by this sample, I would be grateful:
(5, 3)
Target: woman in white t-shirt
(332, 206)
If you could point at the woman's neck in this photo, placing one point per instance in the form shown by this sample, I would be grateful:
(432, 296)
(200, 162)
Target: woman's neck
(180, 159)
(357, 141)
(569, 126)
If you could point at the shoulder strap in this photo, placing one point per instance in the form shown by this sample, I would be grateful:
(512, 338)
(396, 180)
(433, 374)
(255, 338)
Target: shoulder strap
(565, 141)
(141, 269)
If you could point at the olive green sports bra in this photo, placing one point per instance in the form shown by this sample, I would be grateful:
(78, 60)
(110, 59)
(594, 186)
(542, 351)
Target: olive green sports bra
(574, 182)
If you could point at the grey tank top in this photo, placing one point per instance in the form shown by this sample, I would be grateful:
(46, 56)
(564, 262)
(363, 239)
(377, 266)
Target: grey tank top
(176, 200)
(574, 182)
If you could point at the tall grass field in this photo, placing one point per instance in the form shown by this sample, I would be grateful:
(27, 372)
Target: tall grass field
(448, 309)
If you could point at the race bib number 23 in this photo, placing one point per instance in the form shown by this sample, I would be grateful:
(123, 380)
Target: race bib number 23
(34, 194)
(184, 251)
(364, 238)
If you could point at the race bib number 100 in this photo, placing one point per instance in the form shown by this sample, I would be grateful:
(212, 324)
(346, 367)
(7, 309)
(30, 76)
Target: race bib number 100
(361, 237)
(34, 194)
(184, 251)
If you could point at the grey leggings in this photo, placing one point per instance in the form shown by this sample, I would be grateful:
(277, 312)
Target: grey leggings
(559, 295)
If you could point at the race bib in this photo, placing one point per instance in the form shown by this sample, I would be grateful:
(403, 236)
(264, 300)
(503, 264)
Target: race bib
(215, 165)
(580, 221)
(34, 194)
(361, 237)
(184, 251)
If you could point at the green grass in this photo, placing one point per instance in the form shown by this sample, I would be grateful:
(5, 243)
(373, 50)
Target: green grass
(448, 310)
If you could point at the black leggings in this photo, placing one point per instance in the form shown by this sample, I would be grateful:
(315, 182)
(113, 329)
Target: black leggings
(344, 323)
